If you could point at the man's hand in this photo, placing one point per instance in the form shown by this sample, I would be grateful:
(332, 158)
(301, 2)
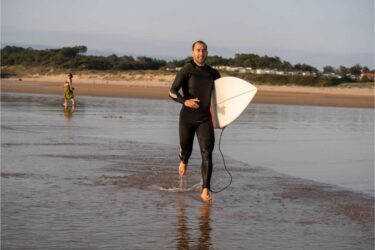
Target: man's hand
(192, 103)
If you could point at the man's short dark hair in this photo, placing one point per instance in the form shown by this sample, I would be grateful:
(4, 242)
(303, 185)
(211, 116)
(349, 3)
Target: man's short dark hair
(199, 41)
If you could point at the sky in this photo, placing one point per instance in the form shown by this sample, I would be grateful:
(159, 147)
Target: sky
(316, 32)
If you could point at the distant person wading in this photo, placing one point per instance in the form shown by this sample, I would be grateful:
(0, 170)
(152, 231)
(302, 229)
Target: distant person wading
(68, 91)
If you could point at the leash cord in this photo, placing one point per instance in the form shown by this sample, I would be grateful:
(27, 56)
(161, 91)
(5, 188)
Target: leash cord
(225, 166)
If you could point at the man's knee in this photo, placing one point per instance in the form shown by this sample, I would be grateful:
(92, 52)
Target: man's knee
(206, 154)
(185, 154)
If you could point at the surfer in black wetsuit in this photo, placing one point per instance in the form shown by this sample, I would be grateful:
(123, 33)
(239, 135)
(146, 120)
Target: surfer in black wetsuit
(196, 80)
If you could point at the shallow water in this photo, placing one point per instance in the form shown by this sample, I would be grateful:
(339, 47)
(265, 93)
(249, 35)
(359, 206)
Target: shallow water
(325, 144)
(104, 177)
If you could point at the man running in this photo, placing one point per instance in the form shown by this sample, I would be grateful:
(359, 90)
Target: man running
(196, 80)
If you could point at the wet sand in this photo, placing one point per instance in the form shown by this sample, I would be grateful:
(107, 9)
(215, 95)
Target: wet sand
(329, 96)
(79, 180)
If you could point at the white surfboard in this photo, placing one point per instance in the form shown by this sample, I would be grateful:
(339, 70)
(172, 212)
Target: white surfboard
(229, 99)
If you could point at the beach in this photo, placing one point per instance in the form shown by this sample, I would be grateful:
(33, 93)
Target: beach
(104, 176)
(157, 86)
(120, 129)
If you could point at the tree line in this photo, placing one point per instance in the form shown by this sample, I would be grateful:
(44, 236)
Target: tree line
(266, 62)
(75, 58)
(250, 61)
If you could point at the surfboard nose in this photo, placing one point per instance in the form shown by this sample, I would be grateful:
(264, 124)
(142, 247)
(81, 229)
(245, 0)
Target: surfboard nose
(229, 99)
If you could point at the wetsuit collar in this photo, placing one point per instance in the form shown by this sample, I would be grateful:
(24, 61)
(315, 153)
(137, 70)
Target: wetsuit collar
(196, 65)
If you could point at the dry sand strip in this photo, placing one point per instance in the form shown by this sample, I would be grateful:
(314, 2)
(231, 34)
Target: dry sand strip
(336, 97)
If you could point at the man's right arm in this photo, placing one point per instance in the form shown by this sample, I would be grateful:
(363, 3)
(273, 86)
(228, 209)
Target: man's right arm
(176, 86)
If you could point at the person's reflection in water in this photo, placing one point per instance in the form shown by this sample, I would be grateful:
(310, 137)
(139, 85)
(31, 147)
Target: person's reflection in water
(205, 227)
(183, 237)
(182, 229)
(68, 112)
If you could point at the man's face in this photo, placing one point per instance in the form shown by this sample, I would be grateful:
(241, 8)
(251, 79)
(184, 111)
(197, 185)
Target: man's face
(199, 54)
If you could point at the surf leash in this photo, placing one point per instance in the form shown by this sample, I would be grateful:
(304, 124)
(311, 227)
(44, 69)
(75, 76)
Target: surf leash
(225, 167)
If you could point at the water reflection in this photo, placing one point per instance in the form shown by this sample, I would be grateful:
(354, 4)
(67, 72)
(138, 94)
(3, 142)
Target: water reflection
(68, 112)
(205, 227)
(183, 235)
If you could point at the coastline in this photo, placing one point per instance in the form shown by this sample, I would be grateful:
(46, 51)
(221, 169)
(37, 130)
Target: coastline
(157, 86)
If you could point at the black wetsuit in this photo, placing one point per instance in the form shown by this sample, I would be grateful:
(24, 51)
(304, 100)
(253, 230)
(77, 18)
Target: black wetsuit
(196, 82)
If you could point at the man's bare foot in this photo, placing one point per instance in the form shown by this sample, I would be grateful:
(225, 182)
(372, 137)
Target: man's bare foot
(182, 169)
(206, 197)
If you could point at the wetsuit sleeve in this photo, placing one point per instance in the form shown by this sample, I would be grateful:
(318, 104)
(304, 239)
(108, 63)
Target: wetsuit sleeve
(181, 78)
